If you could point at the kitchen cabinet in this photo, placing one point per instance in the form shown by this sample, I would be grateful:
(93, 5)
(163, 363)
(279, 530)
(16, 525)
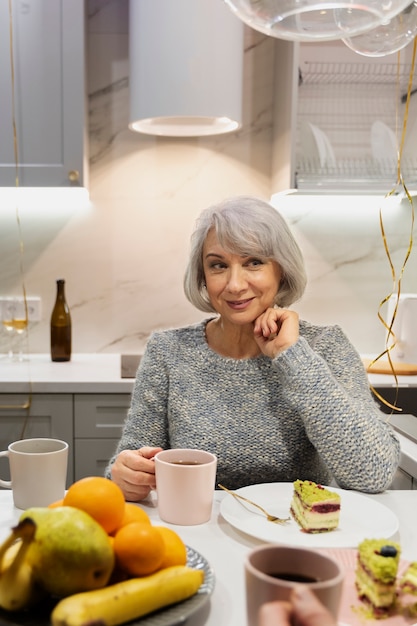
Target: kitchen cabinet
(90, 423)
(338, 118)
(403, 480)
(98, 423)
(48, 415)
(406, 400)
(49, 104)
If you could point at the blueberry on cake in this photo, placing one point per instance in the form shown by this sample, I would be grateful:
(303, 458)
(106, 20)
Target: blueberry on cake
(376, 573)
(314, 507)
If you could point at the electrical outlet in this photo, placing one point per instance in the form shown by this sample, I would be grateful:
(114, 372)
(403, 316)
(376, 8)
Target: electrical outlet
(12, 307)
(34, 305)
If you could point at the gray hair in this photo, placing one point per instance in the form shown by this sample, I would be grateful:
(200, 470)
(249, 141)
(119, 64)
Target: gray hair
(249, 227)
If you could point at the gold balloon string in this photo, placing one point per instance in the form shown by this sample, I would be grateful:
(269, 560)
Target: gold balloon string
(407, 104)
(397, 282)
(28, 402)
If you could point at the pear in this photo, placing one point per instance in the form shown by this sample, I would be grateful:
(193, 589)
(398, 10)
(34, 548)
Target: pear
(71, 552)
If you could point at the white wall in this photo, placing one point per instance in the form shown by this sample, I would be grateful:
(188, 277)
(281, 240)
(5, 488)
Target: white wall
(123, 257)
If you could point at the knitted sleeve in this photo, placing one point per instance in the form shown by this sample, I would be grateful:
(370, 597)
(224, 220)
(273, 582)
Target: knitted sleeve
(340, 416)
(146, 423)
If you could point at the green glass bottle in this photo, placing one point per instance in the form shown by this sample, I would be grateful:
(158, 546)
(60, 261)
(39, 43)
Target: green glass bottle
(60, 326)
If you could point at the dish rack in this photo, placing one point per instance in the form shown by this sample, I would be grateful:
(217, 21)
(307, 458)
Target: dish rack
(359, 108)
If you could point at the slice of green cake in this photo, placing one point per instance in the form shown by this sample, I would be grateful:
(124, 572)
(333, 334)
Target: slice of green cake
(314, 507)
(376, 573)
(408, 582)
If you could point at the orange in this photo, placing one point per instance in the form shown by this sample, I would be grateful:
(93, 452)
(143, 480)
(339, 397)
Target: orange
(133, 513)
(175, 550)
(99, 497)
(139, 548)
(53, 505)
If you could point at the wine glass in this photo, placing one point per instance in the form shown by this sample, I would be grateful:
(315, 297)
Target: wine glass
(14, 320)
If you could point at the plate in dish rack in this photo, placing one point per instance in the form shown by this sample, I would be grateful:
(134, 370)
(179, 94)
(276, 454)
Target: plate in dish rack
(170, 616)
(360, 518)
(353, 612)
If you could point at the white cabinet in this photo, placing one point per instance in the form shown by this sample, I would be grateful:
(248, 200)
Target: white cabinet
(98, 423)
(41, 415)
(49, 104)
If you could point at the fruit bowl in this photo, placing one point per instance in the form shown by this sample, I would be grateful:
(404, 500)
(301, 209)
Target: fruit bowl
(174, 614)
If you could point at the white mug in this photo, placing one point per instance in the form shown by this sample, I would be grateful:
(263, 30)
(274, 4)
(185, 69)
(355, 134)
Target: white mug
(185, 482)
(404, 327)
(38, 471)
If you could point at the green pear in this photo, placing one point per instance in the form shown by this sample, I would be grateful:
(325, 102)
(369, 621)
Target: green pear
(71, 552)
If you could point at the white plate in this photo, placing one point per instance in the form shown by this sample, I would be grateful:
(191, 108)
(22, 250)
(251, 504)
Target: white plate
(175, 614)
(383, 143)
(316, 146)
(360, 518)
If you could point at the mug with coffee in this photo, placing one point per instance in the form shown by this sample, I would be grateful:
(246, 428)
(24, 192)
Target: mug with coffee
(271, 571)
(185, 482)
(38, 471)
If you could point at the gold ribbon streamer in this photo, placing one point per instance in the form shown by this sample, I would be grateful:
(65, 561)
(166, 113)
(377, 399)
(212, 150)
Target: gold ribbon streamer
(27, 404)
(396, 282)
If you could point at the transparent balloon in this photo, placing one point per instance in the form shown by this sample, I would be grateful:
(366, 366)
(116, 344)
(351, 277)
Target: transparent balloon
(389, 37)
(315, 20)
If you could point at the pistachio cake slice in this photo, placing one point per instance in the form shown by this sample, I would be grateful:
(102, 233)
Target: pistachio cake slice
(315, 508)
(376, 573)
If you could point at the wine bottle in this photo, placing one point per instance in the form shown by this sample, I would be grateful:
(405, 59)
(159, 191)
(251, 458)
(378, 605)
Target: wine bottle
(60, 326)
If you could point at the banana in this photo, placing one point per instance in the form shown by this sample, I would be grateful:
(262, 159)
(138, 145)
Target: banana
(18, 588)
(129, 599)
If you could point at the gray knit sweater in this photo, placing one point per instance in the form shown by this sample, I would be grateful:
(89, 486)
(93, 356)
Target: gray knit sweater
(307, 414)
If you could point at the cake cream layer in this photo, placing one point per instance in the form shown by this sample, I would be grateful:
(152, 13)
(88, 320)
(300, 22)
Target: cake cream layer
(310, 519)
(380, 595)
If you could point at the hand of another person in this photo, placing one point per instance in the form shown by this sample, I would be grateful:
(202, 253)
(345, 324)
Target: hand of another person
(303, 609)
(134, 472)
(275, 330)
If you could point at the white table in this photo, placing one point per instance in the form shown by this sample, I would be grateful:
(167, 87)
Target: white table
(225, 549)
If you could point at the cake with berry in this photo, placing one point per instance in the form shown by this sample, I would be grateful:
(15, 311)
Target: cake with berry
(376, 574)
(315, 508)
(408, 581)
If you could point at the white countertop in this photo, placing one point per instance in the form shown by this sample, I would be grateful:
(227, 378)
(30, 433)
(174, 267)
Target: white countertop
(84, 373)
(98, 373)
(388, 380)
(225, 549)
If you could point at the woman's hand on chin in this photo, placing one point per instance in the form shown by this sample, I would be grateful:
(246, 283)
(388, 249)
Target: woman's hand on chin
(275, 330)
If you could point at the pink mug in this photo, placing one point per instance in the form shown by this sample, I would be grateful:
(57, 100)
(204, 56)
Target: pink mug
(185, 482)
(272, 570)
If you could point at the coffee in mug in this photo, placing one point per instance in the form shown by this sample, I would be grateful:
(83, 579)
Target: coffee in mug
(272, 571)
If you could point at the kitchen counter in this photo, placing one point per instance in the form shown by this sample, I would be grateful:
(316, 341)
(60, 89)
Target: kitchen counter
(85, 373)
(98, 373)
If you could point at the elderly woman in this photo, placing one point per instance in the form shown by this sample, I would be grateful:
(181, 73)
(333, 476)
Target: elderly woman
(274, 397)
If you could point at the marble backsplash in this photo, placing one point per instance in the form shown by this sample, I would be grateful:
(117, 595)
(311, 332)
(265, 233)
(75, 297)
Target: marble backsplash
(124, 254)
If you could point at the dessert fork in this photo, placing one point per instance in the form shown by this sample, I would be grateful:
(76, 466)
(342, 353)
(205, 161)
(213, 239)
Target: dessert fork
(269, 517)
